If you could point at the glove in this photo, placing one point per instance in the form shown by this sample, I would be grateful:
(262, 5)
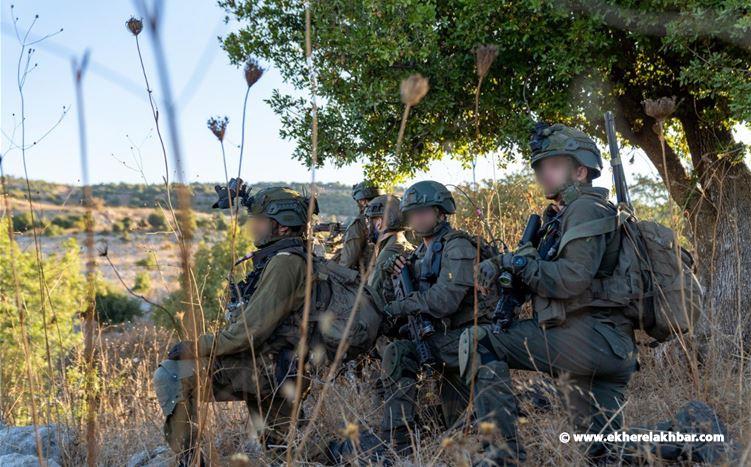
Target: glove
(489, 270)
(393, 311)
(183, 350)
(394, 264)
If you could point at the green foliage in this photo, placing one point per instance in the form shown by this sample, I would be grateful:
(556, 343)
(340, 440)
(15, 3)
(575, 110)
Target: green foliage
(149, 262)
(156, 220)
(211, 265)
(57, 328)
(114, 307)
(557, 61)
(143, 282)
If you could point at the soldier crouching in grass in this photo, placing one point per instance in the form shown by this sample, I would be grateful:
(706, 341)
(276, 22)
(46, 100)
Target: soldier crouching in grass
(254, 355)
(569, 333)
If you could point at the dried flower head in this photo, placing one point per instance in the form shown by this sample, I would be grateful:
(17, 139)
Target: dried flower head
(352, 432)
(135, 25)
(239, 459)
(487, 428)
(218, 125)
(659, 109)
(413, 89)
(253, 71)
(484, 57)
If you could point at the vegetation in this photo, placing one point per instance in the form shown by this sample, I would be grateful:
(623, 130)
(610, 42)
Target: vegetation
(676, 74)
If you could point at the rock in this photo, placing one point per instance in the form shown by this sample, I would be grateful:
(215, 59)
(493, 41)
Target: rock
(158, 457)
(21, 440)
(23, 460)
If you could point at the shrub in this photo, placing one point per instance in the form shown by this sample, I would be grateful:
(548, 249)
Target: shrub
(115, 307)
(143, 282)
(156, 220)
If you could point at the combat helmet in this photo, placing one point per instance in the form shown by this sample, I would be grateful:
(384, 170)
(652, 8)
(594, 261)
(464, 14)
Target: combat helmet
(428, 193)
(365, 190)
(386, 205)
(561, 140)
(285, 205)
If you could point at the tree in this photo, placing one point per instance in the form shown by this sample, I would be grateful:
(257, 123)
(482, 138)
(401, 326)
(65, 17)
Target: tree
(558, 60)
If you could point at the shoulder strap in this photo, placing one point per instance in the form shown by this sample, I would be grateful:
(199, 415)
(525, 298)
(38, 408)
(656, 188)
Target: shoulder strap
(591, 228)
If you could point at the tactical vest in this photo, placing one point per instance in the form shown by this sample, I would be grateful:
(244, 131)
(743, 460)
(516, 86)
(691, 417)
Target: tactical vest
(552, 312)
(429, 269)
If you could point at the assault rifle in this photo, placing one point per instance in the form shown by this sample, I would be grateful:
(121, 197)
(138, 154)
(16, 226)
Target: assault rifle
(512, 295)
(619, 178)
(334, 228)
(419, 328)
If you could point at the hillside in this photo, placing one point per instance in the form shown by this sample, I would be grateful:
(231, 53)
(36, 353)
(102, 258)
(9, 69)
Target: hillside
(334, 199)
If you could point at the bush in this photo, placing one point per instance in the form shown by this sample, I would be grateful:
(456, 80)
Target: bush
(115, 307)
(143, 282)
(149, 262)
(22, 222)
(156, 220)
(70, 221)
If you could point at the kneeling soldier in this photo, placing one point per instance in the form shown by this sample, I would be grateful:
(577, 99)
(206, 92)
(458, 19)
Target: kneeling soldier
(252, 357)
(386, 228)
(569, 333)
(443, 268)
(356, 250)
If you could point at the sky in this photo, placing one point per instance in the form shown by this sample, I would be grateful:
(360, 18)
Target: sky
(121, 142)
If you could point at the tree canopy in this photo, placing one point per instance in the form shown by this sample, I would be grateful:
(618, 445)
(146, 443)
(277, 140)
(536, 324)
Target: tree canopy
(557, 60)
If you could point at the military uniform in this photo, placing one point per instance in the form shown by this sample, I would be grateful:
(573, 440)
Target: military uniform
(354, 252)
(444, 275)
(356, 249)
(253, 355)
(570, 332)
(389, 243)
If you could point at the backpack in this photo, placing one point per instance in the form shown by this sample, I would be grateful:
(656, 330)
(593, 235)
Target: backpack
(335, 291)
(653, 280)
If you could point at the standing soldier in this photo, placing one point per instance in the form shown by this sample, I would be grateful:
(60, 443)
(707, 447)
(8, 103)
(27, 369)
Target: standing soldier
(570, 332)
(253, 356)
(355, 251)
(386, 228)
(444, 280)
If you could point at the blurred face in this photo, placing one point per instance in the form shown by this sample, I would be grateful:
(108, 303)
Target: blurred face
(423, 220)
(555, 172)
(361, 203)
(264, 229)
(377, 226)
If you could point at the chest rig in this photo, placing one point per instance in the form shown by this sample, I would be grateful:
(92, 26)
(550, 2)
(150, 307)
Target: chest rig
(426, 260)
(241, 292)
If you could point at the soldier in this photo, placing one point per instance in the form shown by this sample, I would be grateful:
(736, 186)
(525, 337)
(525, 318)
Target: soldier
(266, 332)
(355, 251)
(443, 268)
(569, 333)
(386, 228)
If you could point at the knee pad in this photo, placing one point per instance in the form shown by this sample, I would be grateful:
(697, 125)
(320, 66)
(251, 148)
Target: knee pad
(168, 383)
(467, 362)
(398, 361)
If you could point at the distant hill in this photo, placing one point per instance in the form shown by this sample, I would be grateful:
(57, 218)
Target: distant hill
(335, 199)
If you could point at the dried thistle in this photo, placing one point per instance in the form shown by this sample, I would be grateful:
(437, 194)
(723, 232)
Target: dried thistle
(351, 432)
(484, 57)
(413, 89)
(218, 125)
(239, 459)
(487, 428)
(135, 25)
(253, 71)
(660, 109)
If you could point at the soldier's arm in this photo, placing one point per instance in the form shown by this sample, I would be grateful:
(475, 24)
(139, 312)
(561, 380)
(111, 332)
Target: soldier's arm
(455, 280)
(280, 291)
(572, 272)
(354, 243)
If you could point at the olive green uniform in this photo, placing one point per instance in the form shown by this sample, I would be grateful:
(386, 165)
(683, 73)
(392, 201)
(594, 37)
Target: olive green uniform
(242, 360)
(568, 334)
(446, 296)
(388, 245)
(355, 252)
